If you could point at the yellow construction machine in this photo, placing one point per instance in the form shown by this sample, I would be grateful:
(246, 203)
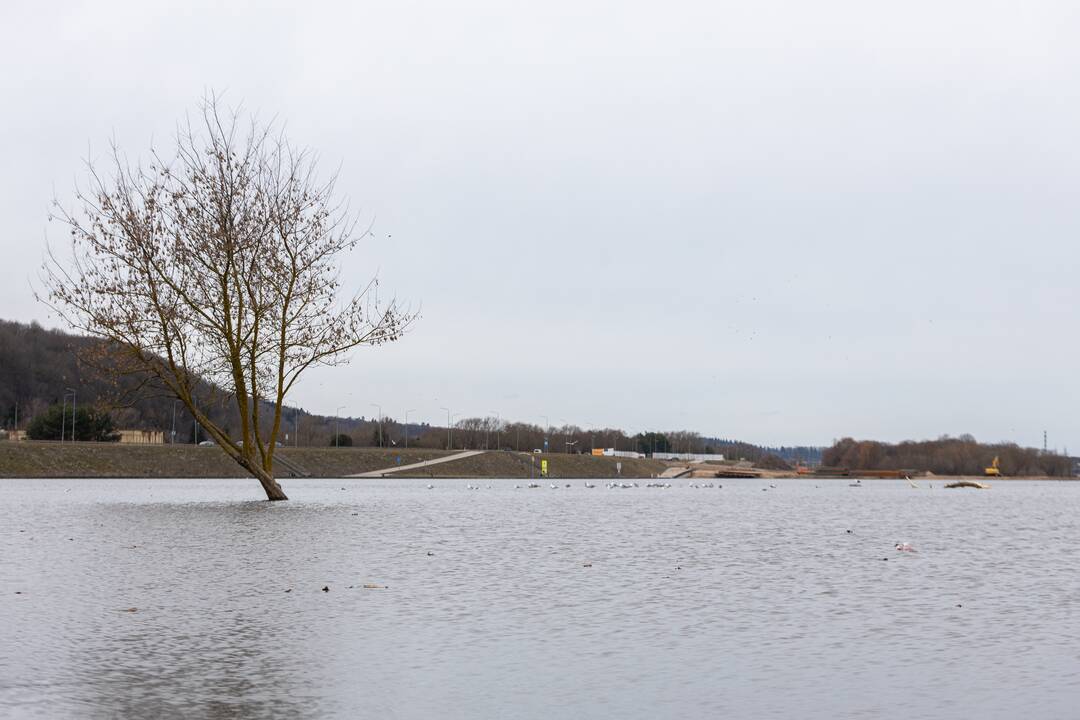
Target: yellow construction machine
(993, 470)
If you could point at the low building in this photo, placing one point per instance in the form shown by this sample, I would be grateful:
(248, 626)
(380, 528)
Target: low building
(700, 457)
(141, 437)
(612, 452)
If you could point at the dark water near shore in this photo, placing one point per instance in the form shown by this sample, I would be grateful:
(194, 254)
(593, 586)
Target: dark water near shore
(698, 603)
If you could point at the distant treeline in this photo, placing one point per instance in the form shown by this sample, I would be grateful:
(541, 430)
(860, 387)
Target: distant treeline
(38, 366)
(945, 456)
(792, 455)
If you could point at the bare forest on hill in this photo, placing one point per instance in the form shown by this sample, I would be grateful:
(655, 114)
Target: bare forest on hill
(38, 365)
(946, 456)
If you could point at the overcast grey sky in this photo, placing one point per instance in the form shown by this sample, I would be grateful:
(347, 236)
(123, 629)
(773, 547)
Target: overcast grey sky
(774, 220)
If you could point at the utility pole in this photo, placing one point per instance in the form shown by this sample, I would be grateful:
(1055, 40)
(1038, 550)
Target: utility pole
(72, 391)
(1044, 442)
(407, 427)
(497, 421)
(337, 414)
(378, 407)
(448, 436)
(172, 440)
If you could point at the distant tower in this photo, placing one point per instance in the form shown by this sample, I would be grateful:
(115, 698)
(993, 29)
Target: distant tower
(1044, 441)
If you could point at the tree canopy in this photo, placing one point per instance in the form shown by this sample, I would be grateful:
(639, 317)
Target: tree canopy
(218, 264)
(62, 422)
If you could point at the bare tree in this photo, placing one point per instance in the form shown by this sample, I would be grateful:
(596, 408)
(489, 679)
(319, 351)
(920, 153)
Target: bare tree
(219, 264)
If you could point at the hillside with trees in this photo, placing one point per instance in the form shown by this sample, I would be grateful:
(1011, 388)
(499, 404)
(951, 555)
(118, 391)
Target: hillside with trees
(38, 366)
(945, 456)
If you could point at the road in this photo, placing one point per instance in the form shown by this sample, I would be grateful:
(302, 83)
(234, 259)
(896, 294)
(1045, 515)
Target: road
(416, 466)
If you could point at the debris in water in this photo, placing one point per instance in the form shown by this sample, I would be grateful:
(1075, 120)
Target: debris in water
(372, 586)
(430, 553)
(289, 590)
(587, 565)
(326, 588)
(130, 610)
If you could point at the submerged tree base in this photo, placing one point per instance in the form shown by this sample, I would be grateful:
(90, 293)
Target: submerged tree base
(269, 485)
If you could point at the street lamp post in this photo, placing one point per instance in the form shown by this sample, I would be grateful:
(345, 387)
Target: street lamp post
(407, 427)
(378, 407)
(592, 431)
(497, 421)
(172, 440)
(448, 436)
(72, 391)
(63, 415)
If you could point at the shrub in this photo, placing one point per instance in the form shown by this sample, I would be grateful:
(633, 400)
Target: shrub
(57, 423)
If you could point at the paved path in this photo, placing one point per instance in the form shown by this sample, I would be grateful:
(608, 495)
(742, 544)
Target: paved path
(416, 466)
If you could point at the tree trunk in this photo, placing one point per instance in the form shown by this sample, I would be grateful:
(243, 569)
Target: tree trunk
(270, 485)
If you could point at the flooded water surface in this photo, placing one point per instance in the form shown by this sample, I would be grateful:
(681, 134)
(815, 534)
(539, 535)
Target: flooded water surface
(189, 598)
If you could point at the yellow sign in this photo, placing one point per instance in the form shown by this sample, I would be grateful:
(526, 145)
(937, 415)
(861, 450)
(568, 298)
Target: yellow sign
(543, 468)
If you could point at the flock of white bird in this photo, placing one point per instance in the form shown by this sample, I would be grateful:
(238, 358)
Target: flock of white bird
(610, 486)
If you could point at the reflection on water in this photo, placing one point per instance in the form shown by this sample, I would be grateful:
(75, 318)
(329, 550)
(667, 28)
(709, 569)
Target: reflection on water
(537, 603)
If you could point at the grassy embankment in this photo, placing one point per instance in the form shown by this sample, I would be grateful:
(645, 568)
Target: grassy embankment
(90, 460)
(98, 460)
(514, 465)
